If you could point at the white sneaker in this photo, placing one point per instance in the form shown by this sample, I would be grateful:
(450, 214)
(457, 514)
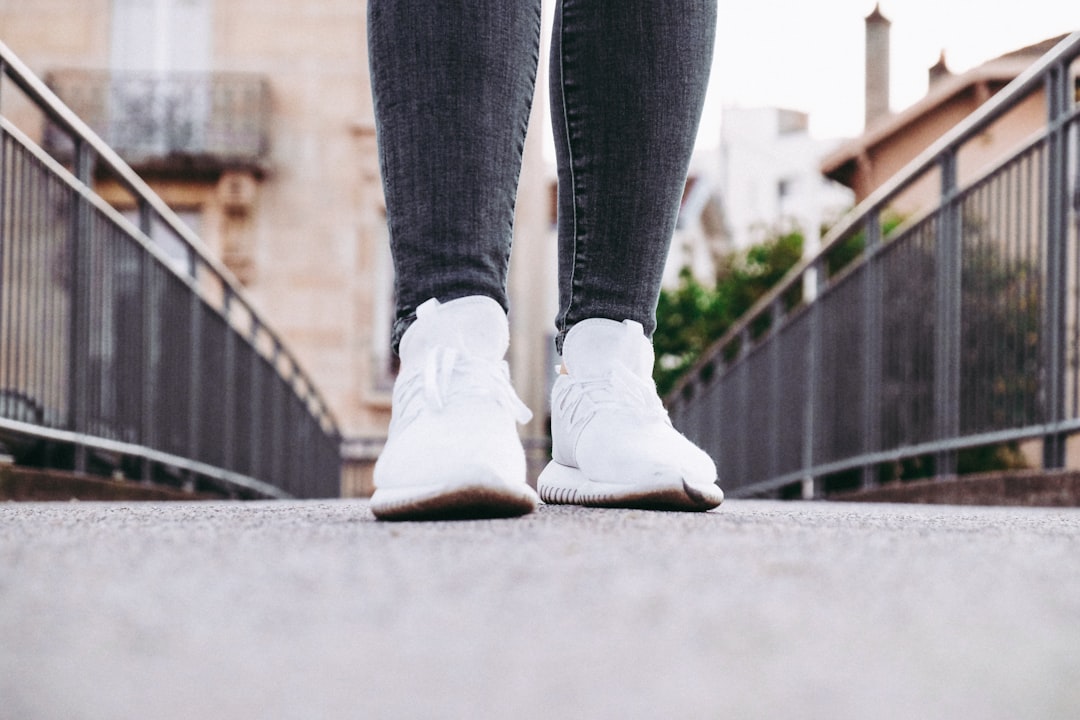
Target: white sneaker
(453, 449)
(613, 444)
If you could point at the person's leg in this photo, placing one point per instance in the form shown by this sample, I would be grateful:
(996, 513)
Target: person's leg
(452, 82)
(628, 81)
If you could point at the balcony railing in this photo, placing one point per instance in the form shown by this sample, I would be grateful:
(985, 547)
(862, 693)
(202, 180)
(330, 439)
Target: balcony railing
(171, 120)
(955, 331)
(114, 359)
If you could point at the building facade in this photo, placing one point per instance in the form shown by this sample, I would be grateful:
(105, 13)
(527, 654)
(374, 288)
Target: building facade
(770, 174)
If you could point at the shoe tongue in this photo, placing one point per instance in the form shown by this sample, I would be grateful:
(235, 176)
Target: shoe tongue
(595, 347)
(475, 325)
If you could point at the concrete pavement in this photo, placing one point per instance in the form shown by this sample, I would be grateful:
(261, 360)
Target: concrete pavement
(758, 610)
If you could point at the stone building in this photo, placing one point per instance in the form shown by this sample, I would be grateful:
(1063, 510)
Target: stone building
(253, 119)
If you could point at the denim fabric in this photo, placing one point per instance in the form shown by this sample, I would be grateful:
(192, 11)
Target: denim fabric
(453, 83)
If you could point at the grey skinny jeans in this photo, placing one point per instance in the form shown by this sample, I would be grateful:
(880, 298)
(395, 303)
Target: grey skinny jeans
(453, 82)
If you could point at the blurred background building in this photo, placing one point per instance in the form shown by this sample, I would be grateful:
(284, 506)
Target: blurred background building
(770, 175)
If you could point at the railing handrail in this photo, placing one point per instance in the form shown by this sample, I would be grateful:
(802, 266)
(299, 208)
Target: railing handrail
(58, 112)
(970, 126)
(254, 77)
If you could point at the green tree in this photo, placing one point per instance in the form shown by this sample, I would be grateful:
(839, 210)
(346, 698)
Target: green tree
(693, 315)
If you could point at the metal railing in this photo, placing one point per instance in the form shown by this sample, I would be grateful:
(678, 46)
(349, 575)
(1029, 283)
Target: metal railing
(189, 119)
(955, 328)
(114, 360)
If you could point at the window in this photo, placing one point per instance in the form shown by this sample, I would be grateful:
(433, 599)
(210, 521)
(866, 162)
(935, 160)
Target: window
(160, 53)
(783, 189)
(161, 35)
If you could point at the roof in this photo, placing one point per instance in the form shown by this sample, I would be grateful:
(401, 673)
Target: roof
(1001, 70)
(1037, 50)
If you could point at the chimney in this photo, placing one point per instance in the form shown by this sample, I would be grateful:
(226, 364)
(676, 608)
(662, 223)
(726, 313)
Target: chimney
(939, 71)
(877, 66)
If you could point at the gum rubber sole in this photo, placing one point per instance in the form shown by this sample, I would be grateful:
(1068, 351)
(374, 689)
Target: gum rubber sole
(475, 501)
(562, 485)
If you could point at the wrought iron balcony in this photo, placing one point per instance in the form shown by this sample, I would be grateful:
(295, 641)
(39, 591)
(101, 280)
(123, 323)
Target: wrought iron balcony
(172, 121)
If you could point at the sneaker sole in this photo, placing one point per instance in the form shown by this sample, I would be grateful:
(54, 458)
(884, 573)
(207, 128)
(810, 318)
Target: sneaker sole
(475, 501)
(564, 485)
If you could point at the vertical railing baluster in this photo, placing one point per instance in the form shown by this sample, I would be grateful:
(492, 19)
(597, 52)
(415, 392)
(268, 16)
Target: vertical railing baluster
(1057, 88)
(813, 287)
(872, 341)
(78, 384)
(18, 264)
(277, 410)
(776, 369)
(42, 239)
(5, 186)
(947, 317)
(229, 394)
(745, 397)
(149, 307)
(195, 370)
(1073, 350)
(256, 410)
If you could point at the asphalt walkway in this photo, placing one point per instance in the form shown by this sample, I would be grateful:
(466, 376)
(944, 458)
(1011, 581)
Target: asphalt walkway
(758, 610)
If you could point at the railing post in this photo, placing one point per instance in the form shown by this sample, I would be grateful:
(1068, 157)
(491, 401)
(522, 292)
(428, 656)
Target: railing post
(257, 393)
(1057, 278)
(813, 362)
(78, 351)
(277, 422)
(948, 293)
(776, 370)
(230, 383)
(150, 353)
(744, 398)
(814, 280)
(291, 480)
(195, 368)
(872, 339)
(5, 185)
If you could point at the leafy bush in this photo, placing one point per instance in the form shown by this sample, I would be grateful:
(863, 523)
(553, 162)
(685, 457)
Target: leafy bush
(693, 315)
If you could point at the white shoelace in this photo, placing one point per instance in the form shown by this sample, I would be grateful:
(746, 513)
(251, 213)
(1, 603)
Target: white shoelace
(448, 375)
(620, 389)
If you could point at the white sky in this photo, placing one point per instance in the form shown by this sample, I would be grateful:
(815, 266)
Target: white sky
(809, 56)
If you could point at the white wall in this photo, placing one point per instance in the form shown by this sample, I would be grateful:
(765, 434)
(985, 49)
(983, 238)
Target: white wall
(769, 173)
